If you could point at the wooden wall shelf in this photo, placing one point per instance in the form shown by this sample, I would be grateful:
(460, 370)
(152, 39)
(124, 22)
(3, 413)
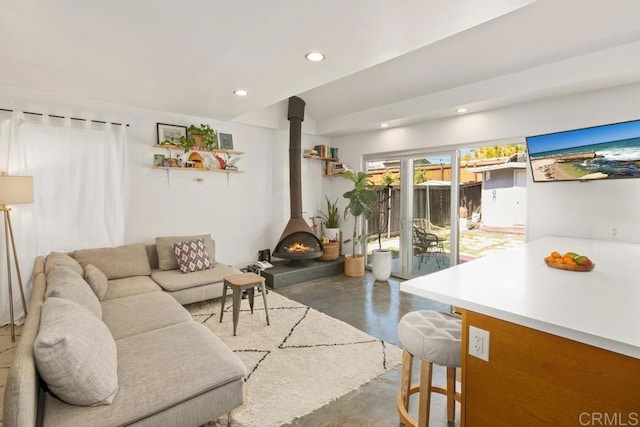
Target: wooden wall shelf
(326, 159)
(197, 169)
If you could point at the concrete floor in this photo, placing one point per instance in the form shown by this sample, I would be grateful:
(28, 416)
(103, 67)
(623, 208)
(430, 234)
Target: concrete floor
(375, 308)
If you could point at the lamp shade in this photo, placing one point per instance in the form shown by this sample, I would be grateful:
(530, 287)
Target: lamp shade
(16, 190)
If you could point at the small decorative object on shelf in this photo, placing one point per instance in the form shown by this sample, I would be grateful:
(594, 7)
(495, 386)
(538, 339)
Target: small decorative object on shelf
(221, 162)
(158, 160)
(326, 152)
(196, 159)
(310, 153)
(334, 169)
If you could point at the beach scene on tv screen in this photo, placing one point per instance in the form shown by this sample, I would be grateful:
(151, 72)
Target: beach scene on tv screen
(602, 152)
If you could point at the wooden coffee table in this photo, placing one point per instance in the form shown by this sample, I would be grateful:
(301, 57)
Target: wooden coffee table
(239, 282)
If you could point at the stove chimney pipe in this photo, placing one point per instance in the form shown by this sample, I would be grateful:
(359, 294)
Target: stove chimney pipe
(295, 116)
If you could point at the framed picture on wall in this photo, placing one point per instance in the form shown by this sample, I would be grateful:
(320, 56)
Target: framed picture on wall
(170, 134)
(226, 141)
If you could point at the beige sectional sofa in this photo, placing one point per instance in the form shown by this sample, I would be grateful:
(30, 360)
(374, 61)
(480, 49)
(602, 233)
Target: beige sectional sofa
(107, 343)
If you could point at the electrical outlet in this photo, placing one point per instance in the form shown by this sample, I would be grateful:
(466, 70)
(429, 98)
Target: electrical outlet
(614, 231)
(479, 343)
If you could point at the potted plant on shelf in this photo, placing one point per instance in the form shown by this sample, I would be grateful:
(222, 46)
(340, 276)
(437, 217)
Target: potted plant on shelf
(331, 220)
(360, 199)
(382, 259)
(187, 143)
(204, 136)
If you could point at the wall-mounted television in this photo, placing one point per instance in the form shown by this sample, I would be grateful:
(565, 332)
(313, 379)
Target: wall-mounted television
(601, 152)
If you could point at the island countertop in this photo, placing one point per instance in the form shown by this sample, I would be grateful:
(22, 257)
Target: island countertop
(600, 308)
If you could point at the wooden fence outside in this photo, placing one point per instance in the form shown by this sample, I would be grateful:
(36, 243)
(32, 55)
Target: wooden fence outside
(439, 205)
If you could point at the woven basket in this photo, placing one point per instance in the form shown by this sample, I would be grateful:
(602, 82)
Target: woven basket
(331, 251)
(354, 267)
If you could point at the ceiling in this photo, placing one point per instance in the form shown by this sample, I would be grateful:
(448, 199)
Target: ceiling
(396, 62)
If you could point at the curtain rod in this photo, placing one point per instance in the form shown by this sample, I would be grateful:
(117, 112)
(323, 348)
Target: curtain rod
(62, 117)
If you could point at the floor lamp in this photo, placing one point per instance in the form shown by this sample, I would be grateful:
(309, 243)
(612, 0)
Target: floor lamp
(14, 190)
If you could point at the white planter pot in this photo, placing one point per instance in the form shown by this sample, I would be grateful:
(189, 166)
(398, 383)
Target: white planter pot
(332, 233)
(381, 264)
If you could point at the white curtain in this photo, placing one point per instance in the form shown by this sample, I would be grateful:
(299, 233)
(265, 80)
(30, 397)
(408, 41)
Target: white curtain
(79, 181)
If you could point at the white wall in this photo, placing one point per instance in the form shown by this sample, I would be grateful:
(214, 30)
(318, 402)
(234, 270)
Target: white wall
(568, 208)
(243, 212)
(247, 212)
(506, 209)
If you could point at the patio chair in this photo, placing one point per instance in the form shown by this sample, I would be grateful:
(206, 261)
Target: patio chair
(427, 244)
(425, 225)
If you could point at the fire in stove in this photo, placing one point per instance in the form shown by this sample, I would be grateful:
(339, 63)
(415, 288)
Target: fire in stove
(298, 248)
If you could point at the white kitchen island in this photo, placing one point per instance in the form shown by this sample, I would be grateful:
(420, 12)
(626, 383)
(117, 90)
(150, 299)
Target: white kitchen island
(562, 343)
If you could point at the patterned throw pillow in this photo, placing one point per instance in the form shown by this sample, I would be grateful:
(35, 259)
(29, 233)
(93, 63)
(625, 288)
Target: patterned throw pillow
(192, 256)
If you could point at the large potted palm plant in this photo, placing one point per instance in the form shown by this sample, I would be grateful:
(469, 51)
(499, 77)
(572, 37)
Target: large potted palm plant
(360, 200)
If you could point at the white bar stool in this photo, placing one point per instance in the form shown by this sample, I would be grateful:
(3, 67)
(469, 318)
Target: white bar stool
(432, 337)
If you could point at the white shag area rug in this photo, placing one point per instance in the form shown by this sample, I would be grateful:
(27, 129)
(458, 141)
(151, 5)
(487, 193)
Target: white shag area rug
(302, 361)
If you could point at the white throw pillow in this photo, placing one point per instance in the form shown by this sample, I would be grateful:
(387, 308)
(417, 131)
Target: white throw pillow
(75, 354)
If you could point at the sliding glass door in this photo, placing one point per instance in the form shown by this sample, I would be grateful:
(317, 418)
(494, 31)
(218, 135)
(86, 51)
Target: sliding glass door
(441, 208)
(413, 215)
(433, 213)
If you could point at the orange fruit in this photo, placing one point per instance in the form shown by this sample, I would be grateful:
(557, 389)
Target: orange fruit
(555, 254)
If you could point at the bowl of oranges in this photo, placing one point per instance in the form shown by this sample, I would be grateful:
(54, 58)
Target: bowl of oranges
(570, 261)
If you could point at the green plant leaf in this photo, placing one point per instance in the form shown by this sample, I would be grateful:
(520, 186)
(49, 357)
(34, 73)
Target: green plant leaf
(331, 218)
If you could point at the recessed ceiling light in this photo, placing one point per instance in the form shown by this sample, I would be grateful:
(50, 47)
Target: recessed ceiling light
(314, 56)
(240, 92)
(384, 125)
(461, 110)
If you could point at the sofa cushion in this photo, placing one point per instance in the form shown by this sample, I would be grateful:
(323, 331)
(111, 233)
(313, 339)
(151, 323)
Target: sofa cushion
(165, 358)
(58, 258)
(117, 262)
(63, 282)
(97, 280)
(142, 313)
(166, 255)
(76, 354)
(174, 280)
(192, 255)
(128, 286)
